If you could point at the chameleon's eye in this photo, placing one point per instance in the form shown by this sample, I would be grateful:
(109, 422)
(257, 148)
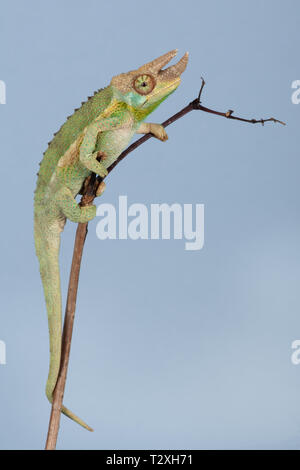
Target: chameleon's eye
(144, 84)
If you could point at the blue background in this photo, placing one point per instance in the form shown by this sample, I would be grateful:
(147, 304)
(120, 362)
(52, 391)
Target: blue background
(171, 349)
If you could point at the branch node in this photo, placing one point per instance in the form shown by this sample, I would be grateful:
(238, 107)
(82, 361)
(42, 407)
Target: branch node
(229, 113)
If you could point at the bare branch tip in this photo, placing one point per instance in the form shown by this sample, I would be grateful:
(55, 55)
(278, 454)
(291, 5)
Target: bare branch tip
(279, 122)
(271, 119)
(201, 89)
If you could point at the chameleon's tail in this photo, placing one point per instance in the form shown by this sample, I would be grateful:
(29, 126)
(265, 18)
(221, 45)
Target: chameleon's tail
(48, 252)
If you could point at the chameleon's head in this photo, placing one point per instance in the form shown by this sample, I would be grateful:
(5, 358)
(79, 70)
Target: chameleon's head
(146, 87)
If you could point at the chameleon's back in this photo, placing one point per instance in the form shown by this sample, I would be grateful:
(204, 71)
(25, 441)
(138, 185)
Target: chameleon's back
(67, 134)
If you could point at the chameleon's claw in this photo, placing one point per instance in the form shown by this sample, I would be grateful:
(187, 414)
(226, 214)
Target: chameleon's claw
(101, 156)
(100, 189)
(159, 132)
(163, 137)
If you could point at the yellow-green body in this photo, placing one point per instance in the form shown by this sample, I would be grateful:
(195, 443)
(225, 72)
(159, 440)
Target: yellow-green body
(106, 123)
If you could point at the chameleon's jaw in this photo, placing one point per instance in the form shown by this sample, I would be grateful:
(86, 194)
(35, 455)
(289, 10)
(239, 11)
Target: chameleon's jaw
(161, 91)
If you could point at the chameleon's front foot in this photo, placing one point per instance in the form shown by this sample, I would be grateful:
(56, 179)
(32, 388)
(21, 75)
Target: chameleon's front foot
(92, 163)
(158, 131)
(155, 129)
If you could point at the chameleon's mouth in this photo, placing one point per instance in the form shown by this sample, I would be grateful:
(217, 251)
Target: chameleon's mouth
(163, 91)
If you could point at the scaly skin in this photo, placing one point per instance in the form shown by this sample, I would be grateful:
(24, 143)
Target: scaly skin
(106, 123)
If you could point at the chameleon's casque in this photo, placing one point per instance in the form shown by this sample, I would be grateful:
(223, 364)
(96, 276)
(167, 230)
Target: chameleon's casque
(106, 122)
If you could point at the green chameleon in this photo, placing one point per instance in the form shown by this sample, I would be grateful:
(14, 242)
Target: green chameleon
(102, 126)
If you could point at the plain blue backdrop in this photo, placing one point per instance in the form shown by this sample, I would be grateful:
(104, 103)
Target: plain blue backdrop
(171, 349)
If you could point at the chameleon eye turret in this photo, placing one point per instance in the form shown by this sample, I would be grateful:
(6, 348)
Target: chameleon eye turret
(144, 84)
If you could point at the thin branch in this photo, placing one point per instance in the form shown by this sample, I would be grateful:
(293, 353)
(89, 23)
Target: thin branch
(90, 190)
(89, 193)
(196, 104)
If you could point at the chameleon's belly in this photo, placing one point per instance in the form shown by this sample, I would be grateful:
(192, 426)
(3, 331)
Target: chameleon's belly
(71, 171)
(113, 143)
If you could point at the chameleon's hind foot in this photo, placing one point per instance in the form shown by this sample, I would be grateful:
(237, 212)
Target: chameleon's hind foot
(72, 210)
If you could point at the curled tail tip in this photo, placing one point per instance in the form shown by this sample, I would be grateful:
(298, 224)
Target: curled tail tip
(82, 423)
(71, 415)
(75, 418)
(79, 421)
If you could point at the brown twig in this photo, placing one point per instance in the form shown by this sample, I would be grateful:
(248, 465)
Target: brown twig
(91, 185)
(89, 192)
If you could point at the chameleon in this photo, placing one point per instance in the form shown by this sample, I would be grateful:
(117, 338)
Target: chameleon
(90, 140)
